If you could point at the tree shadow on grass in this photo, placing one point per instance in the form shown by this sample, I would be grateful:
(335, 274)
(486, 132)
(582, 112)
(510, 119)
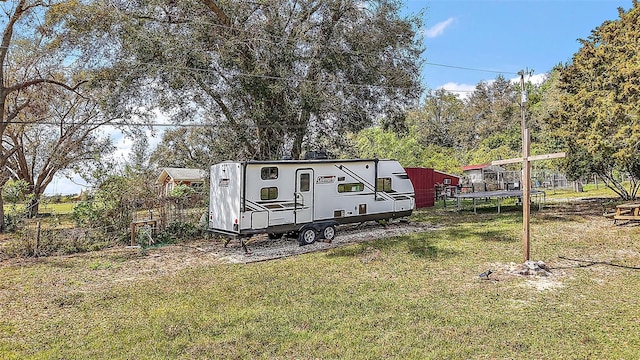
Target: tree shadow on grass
(419, 245)
(481, 232)
(439, 244)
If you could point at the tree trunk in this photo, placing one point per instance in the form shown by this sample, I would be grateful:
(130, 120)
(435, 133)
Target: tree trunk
(2, 223)
(299, 133)
(34, 206)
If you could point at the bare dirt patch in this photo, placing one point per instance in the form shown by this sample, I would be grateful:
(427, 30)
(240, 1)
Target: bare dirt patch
(261, 248)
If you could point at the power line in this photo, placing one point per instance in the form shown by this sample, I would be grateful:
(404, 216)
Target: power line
(471, 69)
(139, 124)
(273, 77)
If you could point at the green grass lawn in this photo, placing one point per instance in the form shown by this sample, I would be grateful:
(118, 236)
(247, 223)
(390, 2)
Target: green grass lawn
(45, 208)
(589, 190)
(415, 297)
(59, 208)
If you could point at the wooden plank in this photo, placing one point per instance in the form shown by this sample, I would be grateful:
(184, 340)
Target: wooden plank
(507, 161)
(547, 156)
(626, 217)
(628, 206)
(530, 158)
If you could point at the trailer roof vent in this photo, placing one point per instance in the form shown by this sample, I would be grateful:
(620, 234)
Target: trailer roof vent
(315, 155)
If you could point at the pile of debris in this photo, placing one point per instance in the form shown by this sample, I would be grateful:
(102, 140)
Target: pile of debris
(531, 268)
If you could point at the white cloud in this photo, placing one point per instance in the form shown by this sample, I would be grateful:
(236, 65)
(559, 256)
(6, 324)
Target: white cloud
(438, 29)
(462, 91)
(536, 79)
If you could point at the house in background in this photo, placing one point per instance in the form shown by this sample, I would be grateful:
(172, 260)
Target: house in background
(429, 183)
(172, 177)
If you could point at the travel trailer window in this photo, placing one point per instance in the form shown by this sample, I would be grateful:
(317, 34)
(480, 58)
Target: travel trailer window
(350, 187)
(305, 180)
(269, 173)
(384, 184)
(269, 193)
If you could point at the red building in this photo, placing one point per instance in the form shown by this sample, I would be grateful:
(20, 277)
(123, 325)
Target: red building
(426, 180)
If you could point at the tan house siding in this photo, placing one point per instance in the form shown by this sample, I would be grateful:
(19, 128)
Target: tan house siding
(171, 177)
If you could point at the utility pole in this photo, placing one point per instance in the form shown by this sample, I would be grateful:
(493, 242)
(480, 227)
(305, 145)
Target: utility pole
(526, 172)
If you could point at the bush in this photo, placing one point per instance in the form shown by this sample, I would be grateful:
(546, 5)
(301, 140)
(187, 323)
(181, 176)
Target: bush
(177, 231)
(57, 242)
(13, 221)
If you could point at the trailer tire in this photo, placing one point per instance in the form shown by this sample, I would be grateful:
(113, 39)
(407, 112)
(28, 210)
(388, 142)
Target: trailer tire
(307, 236)
(329, 233)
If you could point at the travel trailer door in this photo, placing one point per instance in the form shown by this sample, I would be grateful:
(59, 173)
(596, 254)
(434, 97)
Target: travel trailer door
(303, 211)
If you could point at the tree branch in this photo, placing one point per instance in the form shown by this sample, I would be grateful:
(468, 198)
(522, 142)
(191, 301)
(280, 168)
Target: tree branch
(33, 82)
(216, 10)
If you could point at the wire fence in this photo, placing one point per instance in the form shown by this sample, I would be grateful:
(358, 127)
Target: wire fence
(143, 222)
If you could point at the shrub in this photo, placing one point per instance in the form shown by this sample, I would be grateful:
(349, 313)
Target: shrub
(57, 242)
(177, 231)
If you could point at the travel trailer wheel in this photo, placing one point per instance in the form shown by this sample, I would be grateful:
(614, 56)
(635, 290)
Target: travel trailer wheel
(329, 233)
(307, 236)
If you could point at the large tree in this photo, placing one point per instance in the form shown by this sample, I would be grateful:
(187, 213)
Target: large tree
(192, 147)
(439, 120)
(273, 78)
(494, 108)
(375, 142)
(600, 112)
(30, 61)
(59, 131)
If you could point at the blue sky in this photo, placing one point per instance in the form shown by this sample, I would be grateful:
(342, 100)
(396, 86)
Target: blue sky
(504, 36)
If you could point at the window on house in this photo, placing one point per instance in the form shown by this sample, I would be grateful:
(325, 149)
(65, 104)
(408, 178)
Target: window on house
(269, 173)
(269, 193)
(350, 187)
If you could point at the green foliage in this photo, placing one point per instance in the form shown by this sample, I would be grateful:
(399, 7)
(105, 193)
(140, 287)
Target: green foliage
(493, 108)
(114, 202)
(181, 191)
(502, 145)
(14, 191)
(596, 110)
(86, 213)
(178, 231)
(377, 143)
(261, 98)
(440, 121)
(13, 221)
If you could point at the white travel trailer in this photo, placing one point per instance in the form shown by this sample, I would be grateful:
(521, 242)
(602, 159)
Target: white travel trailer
(305, 198)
